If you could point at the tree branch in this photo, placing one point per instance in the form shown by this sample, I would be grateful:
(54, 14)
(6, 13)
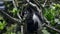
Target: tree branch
(15, 19)
(53, 28)
(44, 3)
(19, 16)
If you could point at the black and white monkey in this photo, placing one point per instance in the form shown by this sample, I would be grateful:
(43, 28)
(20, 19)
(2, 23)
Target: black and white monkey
(33, 20)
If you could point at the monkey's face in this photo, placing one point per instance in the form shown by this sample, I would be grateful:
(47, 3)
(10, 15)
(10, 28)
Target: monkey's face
(25, 13)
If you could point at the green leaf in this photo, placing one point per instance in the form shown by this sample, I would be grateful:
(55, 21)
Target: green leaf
(2, 25)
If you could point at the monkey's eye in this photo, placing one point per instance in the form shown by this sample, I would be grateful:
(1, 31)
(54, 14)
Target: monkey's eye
(26, 12)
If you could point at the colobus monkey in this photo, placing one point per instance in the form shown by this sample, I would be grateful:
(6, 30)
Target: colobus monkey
(33, 19)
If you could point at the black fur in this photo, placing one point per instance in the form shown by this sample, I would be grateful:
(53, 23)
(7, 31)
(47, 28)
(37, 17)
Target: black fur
(31, 27)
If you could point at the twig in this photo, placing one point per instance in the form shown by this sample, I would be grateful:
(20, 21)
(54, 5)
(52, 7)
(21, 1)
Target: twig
(14, 3)
(22, 29)
(53, 28)
(37, 2)
(34, 5)
(44, 3)
(15, 19)
(19, 16)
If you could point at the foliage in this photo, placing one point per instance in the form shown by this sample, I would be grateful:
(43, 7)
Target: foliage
(2, 23)
(50, 13)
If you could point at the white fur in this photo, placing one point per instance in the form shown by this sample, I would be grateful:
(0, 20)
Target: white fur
(36, 19)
